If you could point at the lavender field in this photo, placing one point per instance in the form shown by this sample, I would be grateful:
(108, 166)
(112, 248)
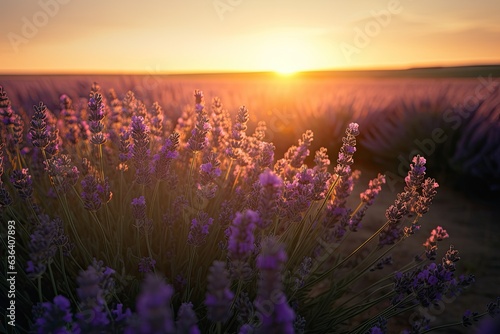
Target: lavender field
(252, 203)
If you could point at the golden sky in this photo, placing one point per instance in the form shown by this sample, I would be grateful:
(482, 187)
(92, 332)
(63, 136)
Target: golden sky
(178, 36)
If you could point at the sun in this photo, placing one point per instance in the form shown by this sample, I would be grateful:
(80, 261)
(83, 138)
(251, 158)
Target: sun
(285, 55)
(285, 70)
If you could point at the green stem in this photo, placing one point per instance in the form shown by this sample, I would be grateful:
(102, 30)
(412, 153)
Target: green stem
(40, 294)
(149, 250)
(52, 279)
(326, 273)
(192, 251)
(228, 170)
(63, 270)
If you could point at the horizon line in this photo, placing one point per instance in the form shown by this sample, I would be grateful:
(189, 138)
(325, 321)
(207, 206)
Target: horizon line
(235, 72)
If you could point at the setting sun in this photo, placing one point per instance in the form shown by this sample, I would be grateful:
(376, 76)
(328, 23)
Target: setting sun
(286, 55)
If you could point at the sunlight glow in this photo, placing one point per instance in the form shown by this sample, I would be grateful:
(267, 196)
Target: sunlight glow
(286, 55)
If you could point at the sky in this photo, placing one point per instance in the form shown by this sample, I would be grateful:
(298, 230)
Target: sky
(192, 36)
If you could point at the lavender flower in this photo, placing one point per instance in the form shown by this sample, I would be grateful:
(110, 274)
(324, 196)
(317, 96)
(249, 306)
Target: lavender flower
(70, 127)
(374, 188)
(416, 175)
(347, 150)
(390, 235)
(296, 155)
(56, 317)
(336, 209)
(199, 229)
(41, 246)
(450, 258)
(241, 239)
(493, 308)
(302, 273)
(355, 220)
(139, 208)
(124, 155)
(199, 140)
(430, 244)
(96, 112)
(428, 193)
(21, 180)
(38, 127)
(238, 134)
(270, 193)
(5, 198)
(120, 318)
(63, 173)
(91, 195)
(17, 125)
(4, 103)
(400, 209)
(129, 105)
(266, 157)
(322, 178)
(219, 134)
(367, 197)
(142, 222)
(428, 284)
(91, 316)
(244, 308)
(385, 261)
(405, 204)
(209, 172)
(218, 297)
(187, 320)
(156, 120)
(146, 265)
(140, 150)
(299, 325)
(61, 239)
(246, 329)
(321, 160)
(154, 313)
(469, 317)
(14, 124)
(116, 107)
(94, 284)
(380, 327)
(280, 317)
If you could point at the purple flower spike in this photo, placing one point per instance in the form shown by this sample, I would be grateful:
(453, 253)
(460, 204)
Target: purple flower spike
(56, 317)
(146, 265)
(140, 150)
(38, 129)
(21, 180)
(153, 308)
(199, 229)
(219, 297)
(241, 239)
(238, 134)
(96, 111)
(374, 188)
(280, 317)
(347, 150)
(297, 154)
(187, 320)
(416, 175)
(47, 236)
(199, 140)
(269, 196)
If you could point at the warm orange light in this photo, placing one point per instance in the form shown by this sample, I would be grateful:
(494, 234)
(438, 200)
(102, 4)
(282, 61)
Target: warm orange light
(286, 55)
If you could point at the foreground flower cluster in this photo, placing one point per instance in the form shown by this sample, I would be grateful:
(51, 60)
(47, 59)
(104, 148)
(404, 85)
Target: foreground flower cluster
(132, 222)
